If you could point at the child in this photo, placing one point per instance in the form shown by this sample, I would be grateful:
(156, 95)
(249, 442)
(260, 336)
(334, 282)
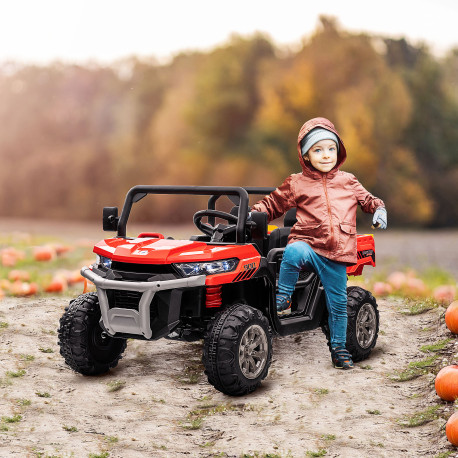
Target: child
(324, 237)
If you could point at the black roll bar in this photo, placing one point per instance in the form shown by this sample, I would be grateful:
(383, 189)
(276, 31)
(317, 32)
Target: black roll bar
(138, 192)
(250, 190)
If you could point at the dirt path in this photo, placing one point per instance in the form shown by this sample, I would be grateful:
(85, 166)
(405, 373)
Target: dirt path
(303, 406)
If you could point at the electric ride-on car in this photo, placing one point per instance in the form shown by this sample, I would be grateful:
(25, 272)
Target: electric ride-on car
(218, 286)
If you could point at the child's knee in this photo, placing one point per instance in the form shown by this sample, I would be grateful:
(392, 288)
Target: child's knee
(297, 253)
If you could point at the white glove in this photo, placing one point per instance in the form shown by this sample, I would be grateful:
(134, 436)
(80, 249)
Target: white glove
(380, 219)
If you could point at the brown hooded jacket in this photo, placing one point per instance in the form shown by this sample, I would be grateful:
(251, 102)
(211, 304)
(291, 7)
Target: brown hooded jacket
(326, 203)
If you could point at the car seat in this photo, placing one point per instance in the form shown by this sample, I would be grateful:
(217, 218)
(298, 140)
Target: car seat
(257, 232)
(279, 237)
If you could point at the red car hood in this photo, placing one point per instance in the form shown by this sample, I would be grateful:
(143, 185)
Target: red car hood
(164, 251)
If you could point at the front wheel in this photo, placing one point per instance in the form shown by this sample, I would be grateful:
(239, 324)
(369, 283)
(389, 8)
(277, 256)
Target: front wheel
(362, 324)
(237, 350)
(86, 348)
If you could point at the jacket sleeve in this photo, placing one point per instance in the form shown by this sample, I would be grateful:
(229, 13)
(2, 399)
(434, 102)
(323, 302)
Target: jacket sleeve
(278, 201)
(368, 202)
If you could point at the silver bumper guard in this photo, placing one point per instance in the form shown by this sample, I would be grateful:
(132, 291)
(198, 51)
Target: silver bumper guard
(129, 321)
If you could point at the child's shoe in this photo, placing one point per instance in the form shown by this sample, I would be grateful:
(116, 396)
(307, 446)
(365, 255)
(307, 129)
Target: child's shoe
(283, 304)
(341, 358)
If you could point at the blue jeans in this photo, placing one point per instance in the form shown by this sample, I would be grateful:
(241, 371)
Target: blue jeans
(333, 276)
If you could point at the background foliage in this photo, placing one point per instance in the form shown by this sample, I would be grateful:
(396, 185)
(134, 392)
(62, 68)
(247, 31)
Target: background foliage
(76, 138)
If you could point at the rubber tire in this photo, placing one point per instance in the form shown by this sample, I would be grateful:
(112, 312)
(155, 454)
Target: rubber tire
(80, 338)
(356, 298)
(221, 356)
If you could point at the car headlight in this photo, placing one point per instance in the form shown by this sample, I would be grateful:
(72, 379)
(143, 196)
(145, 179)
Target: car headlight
(102, 261)
(207, 268)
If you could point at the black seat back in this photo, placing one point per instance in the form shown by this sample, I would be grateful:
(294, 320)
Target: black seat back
(258, 234)
(290, 218)
(279, 237)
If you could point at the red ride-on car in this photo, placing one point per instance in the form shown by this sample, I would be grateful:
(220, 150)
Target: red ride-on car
(219, 286)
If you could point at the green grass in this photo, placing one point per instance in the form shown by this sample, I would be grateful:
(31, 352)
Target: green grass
(256, 455)
(195, 423)
(46, 350)
(328, 437)
(116, 385)
(417, 307)
(43, 395)
(99, 455)
(438, 346)
(434, 277)
(16, 374)
(3, 324)
(13, 419)
(321, 391)
(24, 402)
(111, 439)
(70, 429)
(28, 358)
(195, 418)
(321, 452)
(373, 412)
(415, 369)
(420, 418)
(444, 454)
(424, 363)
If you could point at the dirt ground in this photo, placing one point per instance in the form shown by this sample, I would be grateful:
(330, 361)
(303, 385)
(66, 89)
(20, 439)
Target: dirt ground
(166, 408)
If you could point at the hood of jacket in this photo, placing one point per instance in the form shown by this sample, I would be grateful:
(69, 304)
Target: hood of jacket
(307, 168)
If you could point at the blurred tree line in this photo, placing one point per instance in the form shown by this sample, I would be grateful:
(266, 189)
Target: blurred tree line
(75, 138)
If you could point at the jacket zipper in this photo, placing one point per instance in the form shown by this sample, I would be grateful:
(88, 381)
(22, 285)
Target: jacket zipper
(329, 209)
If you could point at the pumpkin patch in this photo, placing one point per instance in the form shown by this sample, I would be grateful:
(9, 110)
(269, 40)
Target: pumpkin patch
(29, 266)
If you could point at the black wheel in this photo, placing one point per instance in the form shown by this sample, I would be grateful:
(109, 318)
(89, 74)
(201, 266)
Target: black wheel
(363, 323)
(86, 348)
(237, 350)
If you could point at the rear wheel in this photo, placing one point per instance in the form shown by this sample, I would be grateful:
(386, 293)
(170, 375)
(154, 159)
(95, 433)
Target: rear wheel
(363, 322)
(362, 325)
(237, 350)
(86, 348)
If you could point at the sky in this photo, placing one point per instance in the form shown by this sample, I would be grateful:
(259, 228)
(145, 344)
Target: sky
(79, 31)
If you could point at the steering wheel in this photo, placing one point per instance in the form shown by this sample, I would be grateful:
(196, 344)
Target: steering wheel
(208, 229)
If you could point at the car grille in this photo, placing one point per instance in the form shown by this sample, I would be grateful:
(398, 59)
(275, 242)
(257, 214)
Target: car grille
(124, 299)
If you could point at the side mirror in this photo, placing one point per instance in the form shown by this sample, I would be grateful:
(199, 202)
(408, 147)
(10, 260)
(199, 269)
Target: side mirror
(110, 218)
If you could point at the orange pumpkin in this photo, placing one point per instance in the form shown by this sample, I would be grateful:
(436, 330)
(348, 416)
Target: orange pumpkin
(451, 317)
(21, 275)
(19, 288)
(57, 285)
(62, 249)
(446, 383)
(444, 293)
(44, 253)
(451, 429)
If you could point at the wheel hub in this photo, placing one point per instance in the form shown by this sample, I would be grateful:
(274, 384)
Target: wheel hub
(366, 324)
(253, 351)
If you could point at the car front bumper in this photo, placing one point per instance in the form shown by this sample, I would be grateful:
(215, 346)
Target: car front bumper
(138, 322)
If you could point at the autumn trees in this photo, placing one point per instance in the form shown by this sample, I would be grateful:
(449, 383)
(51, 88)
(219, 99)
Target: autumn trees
(75, 138)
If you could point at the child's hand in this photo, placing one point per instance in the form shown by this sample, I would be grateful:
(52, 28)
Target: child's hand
(380, 219)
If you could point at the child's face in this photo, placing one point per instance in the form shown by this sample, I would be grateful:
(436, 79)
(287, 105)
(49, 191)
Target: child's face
(323, 155)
